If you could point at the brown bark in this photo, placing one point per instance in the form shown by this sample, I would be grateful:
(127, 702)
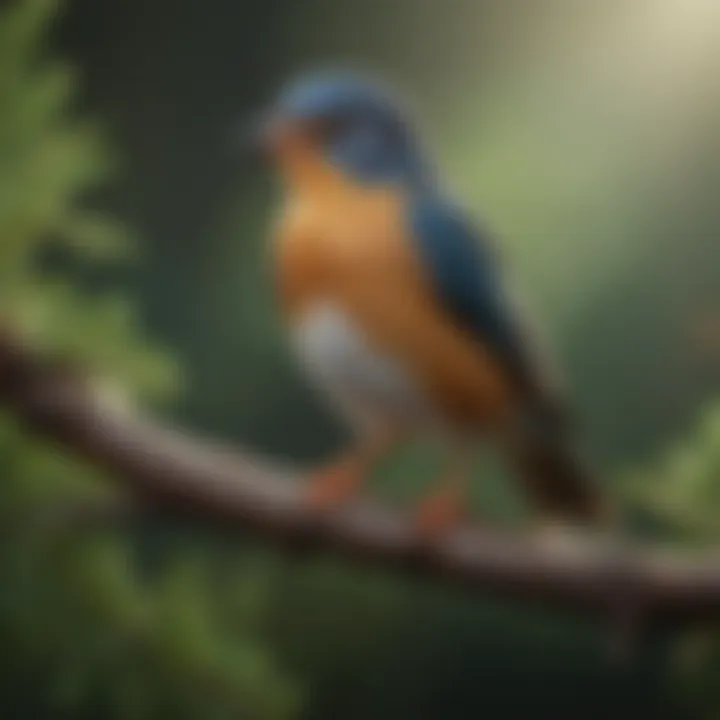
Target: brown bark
(175, 474)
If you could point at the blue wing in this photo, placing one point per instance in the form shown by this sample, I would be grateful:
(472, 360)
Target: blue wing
(464, 270)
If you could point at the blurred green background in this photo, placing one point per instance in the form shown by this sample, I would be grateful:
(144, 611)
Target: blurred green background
(132, 239)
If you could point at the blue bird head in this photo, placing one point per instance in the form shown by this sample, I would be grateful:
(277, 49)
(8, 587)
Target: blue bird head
(353, 122)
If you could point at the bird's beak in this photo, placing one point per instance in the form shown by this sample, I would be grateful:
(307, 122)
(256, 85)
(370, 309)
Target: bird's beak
(264, 133)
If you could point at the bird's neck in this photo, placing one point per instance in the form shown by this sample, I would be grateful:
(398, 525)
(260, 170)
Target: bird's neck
(305, 173)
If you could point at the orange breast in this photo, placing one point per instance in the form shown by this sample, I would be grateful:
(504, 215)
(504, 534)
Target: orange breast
(349, 246)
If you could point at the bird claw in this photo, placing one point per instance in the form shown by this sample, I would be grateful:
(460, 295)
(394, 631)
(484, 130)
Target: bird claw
(438, 514)
(332, 487)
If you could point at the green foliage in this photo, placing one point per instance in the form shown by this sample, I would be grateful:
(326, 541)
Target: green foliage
(49, 159)
(682, 486)
(83, 633)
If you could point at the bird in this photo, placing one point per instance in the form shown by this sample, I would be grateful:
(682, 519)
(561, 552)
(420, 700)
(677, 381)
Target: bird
(399, 309)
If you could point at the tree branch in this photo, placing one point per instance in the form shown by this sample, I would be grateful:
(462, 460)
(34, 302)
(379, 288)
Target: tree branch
(178, 475)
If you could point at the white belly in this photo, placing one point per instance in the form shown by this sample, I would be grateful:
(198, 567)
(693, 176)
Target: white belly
(370, 391)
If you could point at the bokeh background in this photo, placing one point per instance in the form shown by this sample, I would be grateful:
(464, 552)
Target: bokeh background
(133, 240)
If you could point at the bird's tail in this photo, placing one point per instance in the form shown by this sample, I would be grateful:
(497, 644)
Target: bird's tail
(557, 481)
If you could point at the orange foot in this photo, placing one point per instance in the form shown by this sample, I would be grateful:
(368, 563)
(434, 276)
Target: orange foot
(439, 513)
(334, 485)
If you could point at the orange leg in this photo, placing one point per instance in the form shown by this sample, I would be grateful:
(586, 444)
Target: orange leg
(446, 506)
(340, 481)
